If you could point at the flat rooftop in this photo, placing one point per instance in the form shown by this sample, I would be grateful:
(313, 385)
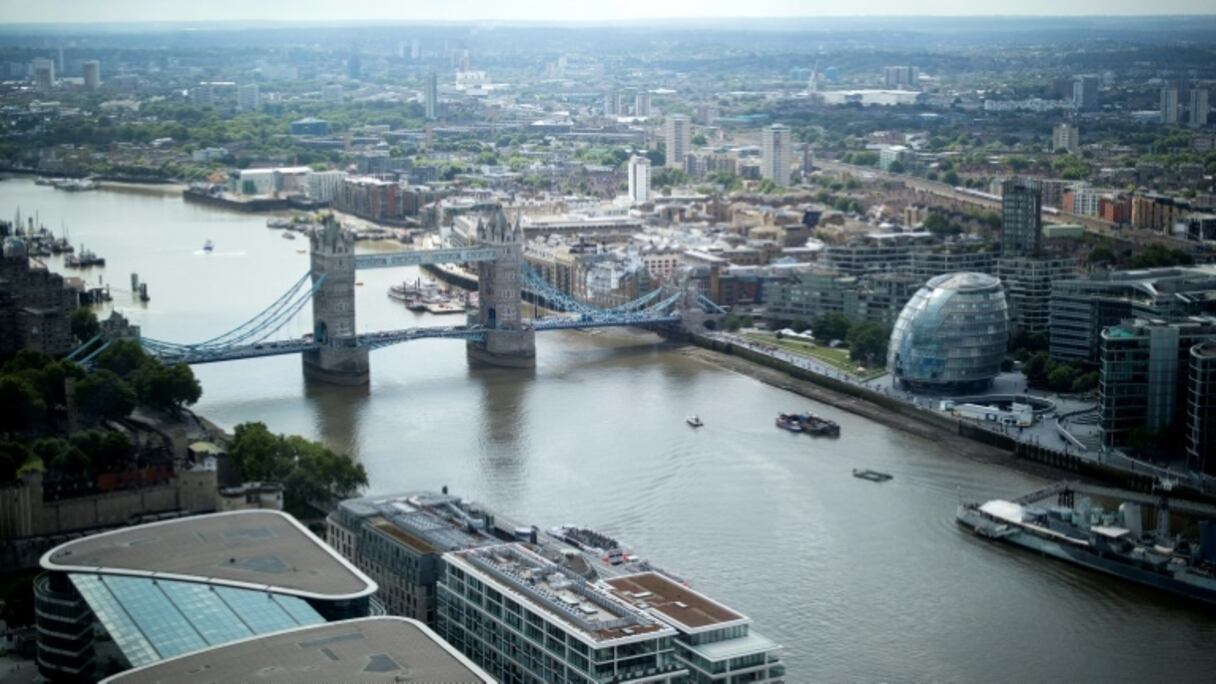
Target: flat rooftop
(241, 548)
(537, 581)
(378, 649)
(674, 601)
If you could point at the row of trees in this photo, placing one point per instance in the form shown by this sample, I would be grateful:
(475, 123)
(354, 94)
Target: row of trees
(309, 471)
(35, 420)
(1044, 372)
(866, 340)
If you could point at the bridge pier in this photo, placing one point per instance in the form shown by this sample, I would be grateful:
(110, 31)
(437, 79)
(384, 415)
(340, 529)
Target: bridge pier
(337, 366)
(338, 360)
(507, 342)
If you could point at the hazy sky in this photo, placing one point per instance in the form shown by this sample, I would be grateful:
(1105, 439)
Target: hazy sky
(555, 10)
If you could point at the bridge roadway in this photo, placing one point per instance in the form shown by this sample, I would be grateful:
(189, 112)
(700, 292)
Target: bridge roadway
(425, 257)
(386, 338)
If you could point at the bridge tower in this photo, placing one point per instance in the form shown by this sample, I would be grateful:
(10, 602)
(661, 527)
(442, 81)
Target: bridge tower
(338, 360)
(507, 341)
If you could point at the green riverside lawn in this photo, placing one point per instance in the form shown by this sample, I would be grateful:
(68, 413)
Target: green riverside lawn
(836, 358)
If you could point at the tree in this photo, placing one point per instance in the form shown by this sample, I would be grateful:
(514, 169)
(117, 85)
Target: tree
(309, 471)
(939, 225)
(831, 326)
(257, 453)
(105, 396)
(107, 450)
(1086, 382)
(1036, 368)
(1062, 377)
(123, 357)
(319, 474)
(13, 455)
(23, 405)
(950, 177)
(84, 324)
(700, 140)
(166, 388)
(896, 167)
(1101, 255)
(867, 342)
(61, 457)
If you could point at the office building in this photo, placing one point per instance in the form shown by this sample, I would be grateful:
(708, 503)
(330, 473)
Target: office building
(323, 185)
(612, 103)
(332, 92)
(169, 588)
(951, 336)
(804, 294)
(641, 103)
(92, 74)
(310, 126)
(247, 99)
(1066, 137)
(1081, 199)
(890, 155)
(1021, 218)
(398, 541)
(523, 618)
(43, 71)
(354, 66)
(431, 96)
(1085, 93)
(1080, 309)
(901, 77)
(1145, 370)
(1201, 408)
(679, 140)
(1028, 282)
(1169, 105)
(639, 179)
(368, 650)
(1197, 116)
(777, 155)
(1158, 212)
(715, 643)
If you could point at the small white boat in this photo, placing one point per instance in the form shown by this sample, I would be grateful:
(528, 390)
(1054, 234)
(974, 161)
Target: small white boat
(694, 421)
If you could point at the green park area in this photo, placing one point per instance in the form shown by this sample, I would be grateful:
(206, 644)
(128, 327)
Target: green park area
(837, 358)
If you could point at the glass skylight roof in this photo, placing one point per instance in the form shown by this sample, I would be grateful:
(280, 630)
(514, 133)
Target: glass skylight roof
(153, 619)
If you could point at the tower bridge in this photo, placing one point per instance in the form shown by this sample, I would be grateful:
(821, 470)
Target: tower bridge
(495, 334)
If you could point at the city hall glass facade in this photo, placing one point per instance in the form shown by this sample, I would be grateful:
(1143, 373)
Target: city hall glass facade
(951, 336)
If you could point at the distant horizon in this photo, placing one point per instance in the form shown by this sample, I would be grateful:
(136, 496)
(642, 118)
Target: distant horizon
(536, 22)
(546, 12)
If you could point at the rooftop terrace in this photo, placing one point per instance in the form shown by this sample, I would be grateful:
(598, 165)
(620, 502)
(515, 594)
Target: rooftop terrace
(675, 602)
(560, 593)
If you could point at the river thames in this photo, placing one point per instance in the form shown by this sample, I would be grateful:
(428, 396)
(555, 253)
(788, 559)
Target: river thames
(860, 582)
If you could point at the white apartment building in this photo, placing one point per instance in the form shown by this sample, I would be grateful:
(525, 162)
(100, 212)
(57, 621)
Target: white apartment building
(639, 179)
(679, 140)
(777, 155)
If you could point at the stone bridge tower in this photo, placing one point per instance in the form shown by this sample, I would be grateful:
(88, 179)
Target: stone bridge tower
(507, 341)
(338, 360)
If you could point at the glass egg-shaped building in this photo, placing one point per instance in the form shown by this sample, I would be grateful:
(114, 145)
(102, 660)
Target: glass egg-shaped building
(951, 336)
